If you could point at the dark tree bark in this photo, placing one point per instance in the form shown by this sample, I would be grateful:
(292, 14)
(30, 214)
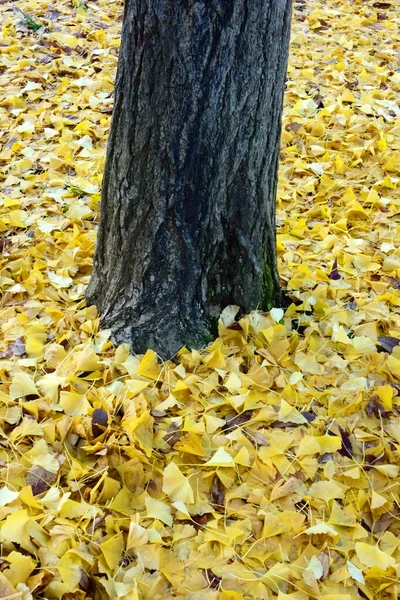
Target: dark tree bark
(187, 221)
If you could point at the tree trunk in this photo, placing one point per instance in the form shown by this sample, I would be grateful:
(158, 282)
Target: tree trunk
(187, 221)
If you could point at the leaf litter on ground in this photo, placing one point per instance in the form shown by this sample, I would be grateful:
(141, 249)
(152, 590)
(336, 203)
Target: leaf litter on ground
(264, 466)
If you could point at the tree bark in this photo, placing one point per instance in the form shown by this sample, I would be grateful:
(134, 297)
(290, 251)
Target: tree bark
(187, 217)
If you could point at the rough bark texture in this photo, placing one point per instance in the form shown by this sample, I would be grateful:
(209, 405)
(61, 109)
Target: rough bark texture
(187, 220)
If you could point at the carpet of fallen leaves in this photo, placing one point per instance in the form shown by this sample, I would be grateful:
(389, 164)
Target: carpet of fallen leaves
(265, 466)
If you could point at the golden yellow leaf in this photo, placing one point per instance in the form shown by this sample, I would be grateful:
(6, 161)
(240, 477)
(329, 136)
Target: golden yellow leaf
(326, 490)
(348, 96)
(221, 458)
(176, 485)
(156, 509)
(191, 444)
(15, 529)
(148, 366)
(289, 414)
(308, 364)
(112, 550)
(74, 404)
(138, 536)
(393, 364)
(372, 556)
(230, 595)
(22, 385)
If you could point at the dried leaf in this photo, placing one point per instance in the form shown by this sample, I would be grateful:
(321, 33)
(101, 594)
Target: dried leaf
(212, 580)
(217, 492)
(99, 422)
(388, 343)
(334, 274)
(237, 420)
(40, 480)
(346, 449)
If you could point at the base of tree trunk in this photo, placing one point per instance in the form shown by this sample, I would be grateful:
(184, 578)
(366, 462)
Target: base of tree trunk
(164, 329)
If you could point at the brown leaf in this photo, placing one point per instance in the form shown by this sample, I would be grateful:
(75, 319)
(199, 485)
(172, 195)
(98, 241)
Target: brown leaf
(15, 349)
(258, 438)
(346, 449)
(375, 408)
(383, 523)
(283, 424)
(173, 434)
(54, 44)
(85, 582)
(395, 283)
(213, 580)
(10, 142)
(236, 421)
(40, 480)
(293, 126)
(99, 421)
(200, 521)
(234, 327)
(217, 492)
(377, 526)
(334, 274)
(388, 343)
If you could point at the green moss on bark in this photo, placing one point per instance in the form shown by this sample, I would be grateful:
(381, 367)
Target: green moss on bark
(270, 292)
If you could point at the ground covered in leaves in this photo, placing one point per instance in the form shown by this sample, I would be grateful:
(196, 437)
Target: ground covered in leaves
(265, 466)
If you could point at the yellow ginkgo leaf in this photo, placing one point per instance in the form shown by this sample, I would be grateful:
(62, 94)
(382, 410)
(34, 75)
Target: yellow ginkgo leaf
(393, 365)
(22, 385)
(134, 387)
(308, 445)
(308, 363)
(74, 404)
(326, 490)
(156, 509)
(176, 485)
(356, 211)
(7, 496)
(15, 528)
(49, 384)
(36, 336)
(348, 96)
(323, 529)
(215, 360)
(289, 414)
(371, 556)
(377, 500)
(221, 458)
(137, 536)
(19, 570)
(148, 366)
(190, 444)
(112, 550)
(329, 443)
